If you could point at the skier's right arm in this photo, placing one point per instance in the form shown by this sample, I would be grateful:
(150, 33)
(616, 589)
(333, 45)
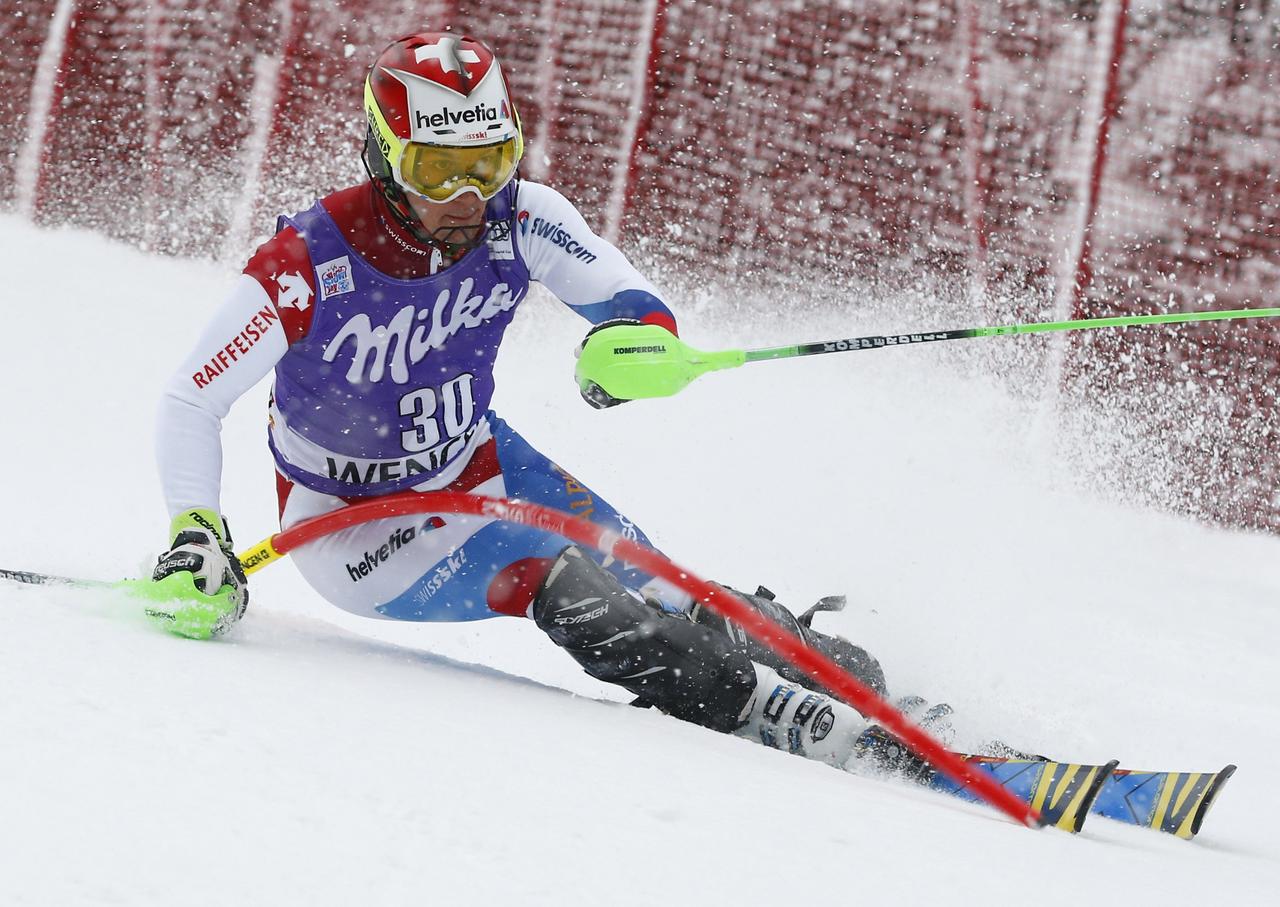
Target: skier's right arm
(247, 336)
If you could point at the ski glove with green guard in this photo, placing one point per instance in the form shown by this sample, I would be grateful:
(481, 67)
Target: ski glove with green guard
(591, 391)
(198, 587)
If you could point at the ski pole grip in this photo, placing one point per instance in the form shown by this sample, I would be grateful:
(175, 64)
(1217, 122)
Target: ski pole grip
(255, 558)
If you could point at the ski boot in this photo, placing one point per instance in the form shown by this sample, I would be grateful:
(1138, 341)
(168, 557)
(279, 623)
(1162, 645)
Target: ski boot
(788, 716)
(884, 753)
(854, 659)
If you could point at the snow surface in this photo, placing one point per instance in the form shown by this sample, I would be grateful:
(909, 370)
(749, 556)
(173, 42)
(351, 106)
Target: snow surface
(315, 758)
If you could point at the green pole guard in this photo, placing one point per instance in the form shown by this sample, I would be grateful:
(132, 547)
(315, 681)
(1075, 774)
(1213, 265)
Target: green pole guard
(638, 361)
(175, 604)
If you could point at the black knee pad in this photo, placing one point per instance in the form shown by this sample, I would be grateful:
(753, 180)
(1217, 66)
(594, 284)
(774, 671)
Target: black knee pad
(684, 669)
(854, 659)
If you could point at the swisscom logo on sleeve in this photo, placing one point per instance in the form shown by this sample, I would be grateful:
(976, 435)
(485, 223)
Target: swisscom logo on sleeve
(556, 234)
(335, 277)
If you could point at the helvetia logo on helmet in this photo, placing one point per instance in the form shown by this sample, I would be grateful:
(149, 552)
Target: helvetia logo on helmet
(447, 117)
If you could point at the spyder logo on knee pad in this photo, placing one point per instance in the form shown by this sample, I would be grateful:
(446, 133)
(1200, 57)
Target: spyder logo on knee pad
(583, 618)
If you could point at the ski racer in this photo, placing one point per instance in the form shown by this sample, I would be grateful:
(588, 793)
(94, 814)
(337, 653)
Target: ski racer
(380, 310)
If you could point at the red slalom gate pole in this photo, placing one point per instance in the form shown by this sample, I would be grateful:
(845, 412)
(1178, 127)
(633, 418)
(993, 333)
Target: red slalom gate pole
(788, 645)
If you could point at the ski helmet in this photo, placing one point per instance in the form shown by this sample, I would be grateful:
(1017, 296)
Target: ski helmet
(441, 121)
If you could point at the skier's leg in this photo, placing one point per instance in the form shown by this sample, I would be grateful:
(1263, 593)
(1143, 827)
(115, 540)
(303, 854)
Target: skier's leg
(456, 567)
(683, 668)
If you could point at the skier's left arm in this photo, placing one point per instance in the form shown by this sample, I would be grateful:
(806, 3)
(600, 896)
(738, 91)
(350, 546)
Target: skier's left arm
(584, 271)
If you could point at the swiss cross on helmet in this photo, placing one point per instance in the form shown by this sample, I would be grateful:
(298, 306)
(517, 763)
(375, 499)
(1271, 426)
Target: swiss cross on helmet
(441, 121)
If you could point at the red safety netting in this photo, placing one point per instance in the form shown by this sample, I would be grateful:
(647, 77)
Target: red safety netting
(1019, 149)
(804, 135)
(150, 110)
(1189, 218)
(22, 35)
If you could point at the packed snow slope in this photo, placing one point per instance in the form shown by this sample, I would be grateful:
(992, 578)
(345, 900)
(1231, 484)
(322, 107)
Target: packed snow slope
(313, 758)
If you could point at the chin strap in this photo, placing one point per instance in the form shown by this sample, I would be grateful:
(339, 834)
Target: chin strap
(443, 241)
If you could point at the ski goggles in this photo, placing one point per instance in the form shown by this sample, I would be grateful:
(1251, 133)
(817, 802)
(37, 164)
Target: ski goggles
(442, 173)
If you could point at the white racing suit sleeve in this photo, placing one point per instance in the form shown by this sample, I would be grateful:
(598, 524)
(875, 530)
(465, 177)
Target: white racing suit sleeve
(242, 343)
(587, 273)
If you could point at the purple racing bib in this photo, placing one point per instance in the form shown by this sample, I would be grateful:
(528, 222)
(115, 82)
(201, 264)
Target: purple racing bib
(390, 386)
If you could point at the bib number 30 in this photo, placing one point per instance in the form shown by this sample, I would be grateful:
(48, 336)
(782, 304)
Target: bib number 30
(437, 414)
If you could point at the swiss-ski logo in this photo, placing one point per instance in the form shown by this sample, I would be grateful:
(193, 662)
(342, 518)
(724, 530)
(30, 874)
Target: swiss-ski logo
(444, 571)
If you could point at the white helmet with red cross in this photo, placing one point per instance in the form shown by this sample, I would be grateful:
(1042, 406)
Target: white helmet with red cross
(441, 120)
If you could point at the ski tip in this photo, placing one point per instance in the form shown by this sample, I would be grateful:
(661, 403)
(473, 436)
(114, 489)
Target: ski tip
(1219, 781)
(1086, 802)
(1064, 792)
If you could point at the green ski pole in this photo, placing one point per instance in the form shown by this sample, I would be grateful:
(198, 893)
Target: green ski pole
(639, 361)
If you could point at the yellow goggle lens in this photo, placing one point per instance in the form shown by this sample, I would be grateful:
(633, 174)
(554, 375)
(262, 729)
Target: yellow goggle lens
(440, 173)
